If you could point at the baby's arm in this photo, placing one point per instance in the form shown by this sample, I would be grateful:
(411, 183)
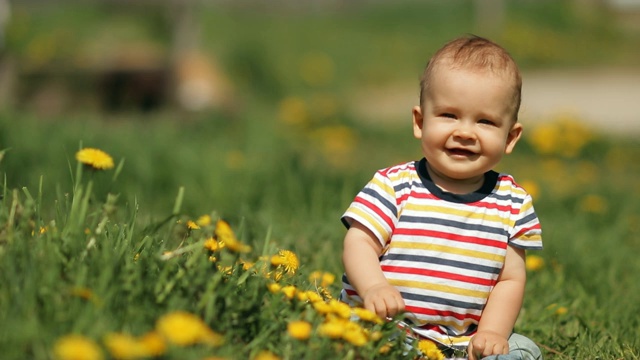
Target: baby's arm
(360, 258)
(502, 308)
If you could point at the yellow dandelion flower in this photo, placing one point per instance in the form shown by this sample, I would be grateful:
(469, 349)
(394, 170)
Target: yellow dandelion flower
(323, 278)
(315, 276)
(204, 220)
(355, 336)
(225, 235)
(561, 311)
(322, 307)
(327, 279)
(299, 330)
(82, 292)
(313, 296)
(287, 259)
(430, 350)
(211, 244)
(531, 187)
(332, 329)
(534, 262)
(274, 287)
(227, 270)
(191, 225)
(367, 315)
(183, 328)
(575, 135)
(302, 296)
(293, 111)
(339, 308)
(266, 355)
(594, 204)
(124, 346)
(289, 291)
(336, 142)
(95, 158)
(76, 347)
(376, 335)
(384, 349)
(545, 138)
(153, 343)
(247, 265)
(277, 275)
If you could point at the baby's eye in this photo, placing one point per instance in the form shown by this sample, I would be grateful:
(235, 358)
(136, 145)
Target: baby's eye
(486, 122)
(448, 115)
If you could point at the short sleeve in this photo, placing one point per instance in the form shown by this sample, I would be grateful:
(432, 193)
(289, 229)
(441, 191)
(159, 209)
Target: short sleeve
(526, 232)
(375, 207)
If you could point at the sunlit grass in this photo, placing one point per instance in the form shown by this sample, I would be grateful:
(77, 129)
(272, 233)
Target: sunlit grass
(88, 253)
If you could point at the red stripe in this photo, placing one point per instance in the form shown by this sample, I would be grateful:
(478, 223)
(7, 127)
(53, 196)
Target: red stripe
(451, 236)
(351, 292)
(369, 205)
(439, 313)
(525, 230)
(438, 274)
(501, 208)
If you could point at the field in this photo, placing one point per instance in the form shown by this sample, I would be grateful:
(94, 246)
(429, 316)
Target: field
(129, 259)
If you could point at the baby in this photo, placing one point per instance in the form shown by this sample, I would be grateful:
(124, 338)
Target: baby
(442, 240)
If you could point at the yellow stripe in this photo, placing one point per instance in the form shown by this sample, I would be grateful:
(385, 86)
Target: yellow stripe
(508, 187)
(525, 207)
(448, 250)
(461, 213)
(450, 324)
(441, 288)
(384, 186)
(450, 340)
(531, 237)
(367, 217)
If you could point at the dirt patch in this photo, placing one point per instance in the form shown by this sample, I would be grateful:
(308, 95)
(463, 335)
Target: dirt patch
(607, 100)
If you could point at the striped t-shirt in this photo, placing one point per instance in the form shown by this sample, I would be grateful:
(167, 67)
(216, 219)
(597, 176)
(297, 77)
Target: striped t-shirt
(442, 251)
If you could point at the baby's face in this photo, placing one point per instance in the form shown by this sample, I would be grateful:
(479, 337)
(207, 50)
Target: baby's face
(467, 124)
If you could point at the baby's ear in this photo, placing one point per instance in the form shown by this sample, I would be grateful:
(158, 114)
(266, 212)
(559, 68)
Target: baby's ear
(512, 138)
(418, 121)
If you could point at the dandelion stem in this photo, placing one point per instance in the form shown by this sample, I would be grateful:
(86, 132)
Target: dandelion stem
(178, 203)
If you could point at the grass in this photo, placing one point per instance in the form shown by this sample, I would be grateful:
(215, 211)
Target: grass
(98, 253)
(580, 304)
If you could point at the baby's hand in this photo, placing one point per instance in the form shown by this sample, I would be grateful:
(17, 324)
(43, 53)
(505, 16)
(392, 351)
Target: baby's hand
(485, 343)
(384, 300)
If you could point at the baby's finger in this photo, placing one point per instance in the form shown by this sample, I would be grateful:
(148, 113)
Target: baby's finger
(379, 307)
(477, 348)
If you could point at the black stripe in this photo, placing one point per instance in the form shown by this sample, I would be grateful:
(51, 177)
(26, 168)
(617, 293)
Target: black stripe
(487, 188)
(442, 301)
(381, 200)
(457, 225)
(441, 261)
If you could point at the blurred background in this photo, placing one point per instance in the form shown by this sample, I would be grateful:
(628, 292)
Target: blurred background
(195, 93)
(148, 56)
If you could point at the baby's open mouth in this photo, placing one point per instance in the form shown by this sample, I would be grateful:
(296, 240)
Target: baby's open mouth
(460, 152)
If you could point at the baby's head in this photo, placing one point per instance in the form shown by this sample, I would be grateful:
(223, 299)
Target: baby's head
(474, 53)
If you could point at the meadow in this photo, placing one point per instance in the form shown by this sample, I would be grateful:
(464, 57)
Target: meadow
(217, 235)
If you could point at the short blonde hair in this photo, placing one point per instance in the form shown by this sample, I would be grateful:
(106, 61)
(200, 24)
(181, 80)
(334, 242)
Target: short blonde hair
(475, 53)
